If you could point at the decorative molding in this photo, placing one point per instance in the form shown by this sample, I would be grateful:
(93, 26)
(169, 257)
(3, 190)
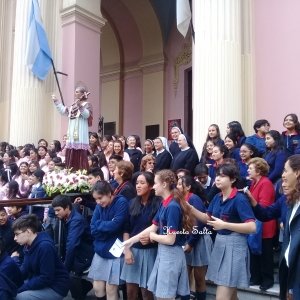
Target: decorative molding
(79, 15)
(183, 58)
(110, 76)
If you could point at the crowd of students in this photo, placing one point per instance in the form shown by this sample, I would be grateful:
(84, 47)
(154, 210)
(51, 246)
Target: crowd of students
(183, 218)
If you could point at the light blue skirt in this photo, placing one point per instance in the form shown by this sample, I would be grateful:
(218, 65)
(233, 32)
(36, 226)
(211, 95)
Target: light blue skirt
(140, 271)
(169, 276)
(230, 262)
(201, 253)
(105, 269)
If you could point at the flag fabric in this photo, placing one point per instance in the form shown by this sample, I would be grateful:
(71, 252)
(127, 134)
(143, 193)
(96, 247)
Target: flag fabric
(183, 14)
(38, 55)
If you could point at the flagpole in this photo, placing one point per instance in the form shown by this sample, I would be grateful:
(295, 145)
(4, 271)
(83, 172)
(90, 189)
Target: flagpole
(55, 74)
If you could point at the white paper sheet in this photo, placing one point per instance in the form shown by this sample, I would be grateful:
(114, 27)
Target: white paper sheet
(117, 248)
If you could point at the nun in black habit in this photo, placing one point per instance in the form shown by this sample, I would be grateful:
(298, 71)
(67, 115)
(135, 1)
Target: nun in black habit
(175, 132)
(187, 158)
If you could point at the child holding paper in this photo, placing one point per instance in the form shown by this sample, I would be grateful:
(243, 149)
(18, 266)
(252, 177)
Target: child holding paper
(107, 225)
(172, 221)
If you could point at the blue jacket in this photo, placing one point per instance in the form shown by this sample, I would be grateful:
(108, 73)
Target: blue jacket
(236, 155)
(9, 268)
(290, 142)
(79, 249)
(197, 202)
(107, 225)
(43, 267)
(38, 192)
(8, 290)
(258, 142)
(288, 276)
(7, 233)
(275, 160)
(244, 171)
(297, 150)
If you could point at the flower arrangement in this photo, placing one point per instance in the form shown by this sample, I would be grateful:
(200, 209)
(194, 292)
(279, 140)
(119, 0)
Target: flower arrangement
(63, 181)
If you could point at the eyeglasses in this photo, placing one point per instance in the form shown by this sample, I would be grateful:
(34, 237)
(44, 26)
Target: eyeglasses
(18, 233)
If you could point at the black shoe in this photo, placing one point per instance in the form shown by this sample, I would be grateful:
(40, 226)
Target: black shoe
(192, 295)
(265, 287)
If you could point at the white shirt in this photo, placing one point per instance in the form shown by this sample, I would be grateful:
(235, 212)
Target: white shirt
(295, 208)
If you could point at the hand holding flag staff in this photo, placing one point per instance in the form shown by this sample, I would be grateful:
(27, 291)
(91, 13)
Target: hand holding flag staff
(38, 54)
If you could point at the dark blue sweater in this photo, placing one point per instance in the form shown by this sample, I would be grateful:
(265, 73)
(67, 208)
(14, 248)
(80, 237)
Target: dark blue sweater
(43, 267)
(275, 160)
(107, 225)
(79, 243)
(9, 268)
(277, 210)
(244, 171)
(235, 154)
(290, 142)
(136, 225)
(8, 290)
(197, 202)
(7, 233)
(258, 142)
(163, 161)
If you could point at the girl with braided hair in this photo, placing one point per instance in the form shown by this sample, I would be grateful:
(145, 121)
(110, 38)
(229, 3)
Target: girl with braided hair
(169, 228)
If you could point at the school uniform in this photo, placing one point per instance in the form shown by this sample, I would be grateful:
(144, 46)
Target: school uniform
(9, 268)
(38, 192)
(174, 148)
(186, 159)
(212, 172)
(235, 154)
(169, 275)
(208, 185)
(289, 262)
(229, 265)
(7, 233)
(261, 266)
(163, 160)
(135, 157)
(107, 226)
(207, 160)
(8, 290)
(241, 141)
(78, 251)
(258, 142)
(198, 240)
(243, 166)
(47, 276)
(113, 182)
(290, 142)
(144, 255)
(276, 161)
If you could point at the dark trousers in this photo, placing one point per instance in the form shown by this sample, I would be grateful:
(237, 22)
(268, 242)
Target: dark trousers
(261, 266)
(78, 285)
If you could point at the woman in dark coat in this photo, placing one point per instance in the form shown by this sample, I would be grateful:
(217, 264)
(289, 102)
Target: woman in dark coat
(289, 263)
(187, 158)
(162, 155)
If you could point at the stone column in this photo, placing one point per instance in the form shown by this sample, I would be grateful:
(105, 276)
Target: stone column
(6, 49)
(30, 117)
(81, 29)
(217, 92)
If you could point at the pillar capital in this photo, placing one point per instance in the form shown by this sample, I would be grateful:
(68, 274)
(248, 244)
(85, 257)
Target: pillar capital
(77, 14)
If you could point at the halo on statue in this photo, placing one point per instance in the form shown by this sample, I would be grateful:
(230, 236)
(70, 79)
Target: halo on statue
(81, 84)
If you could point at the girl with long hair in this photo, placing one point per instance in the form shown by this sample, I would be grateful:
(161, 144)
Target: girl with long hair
(198, 247)
(103, 164)
(94, 143)
(231, 143)
(93, 161)
(275, 155)
(291, 136)
(218, 155)
(230, 214)
(55, 146)
(214, 134)
(235, 128)
(107, 225)
(172, 221)
(118, 150)
(22, 178)
(206, 157)
(139, 260)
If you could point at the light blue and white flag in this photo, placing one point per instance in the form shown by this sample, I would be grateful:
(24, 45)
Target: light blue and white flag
(183, 14)
(38, 55)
